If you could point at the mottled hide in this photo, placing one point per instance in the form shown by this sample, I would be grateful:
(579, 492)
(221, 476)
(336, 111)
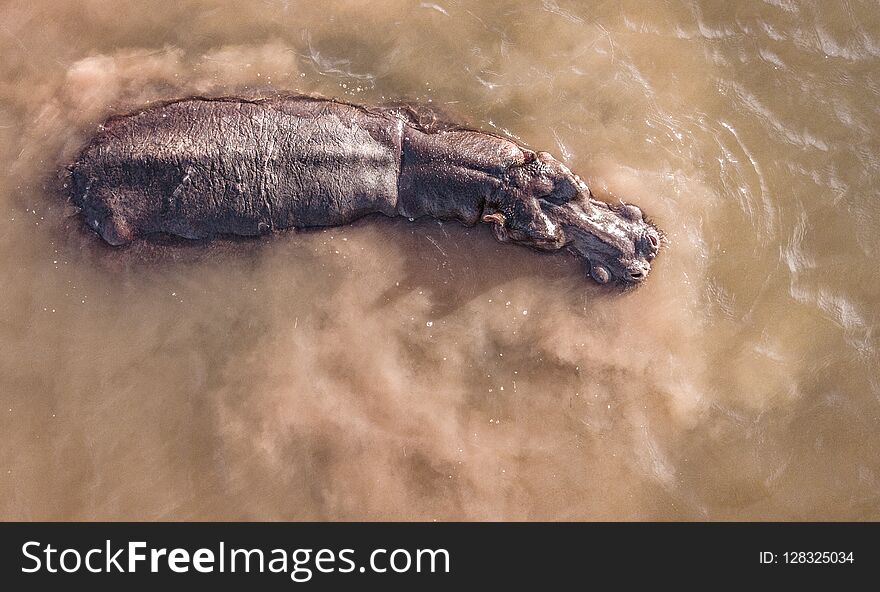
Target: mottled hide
(198, 168)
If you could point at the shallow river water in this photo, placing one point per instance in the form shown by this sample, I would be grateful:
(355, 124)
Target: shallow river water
(419, 370)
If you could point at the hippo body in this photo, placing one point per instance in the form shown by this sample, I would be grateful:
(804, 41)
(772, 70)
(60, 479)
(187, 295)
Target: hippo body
(199, 168)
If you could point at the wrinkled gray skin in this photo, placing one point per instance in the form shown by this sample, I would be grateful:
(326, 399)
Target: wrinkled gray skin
(198, 168)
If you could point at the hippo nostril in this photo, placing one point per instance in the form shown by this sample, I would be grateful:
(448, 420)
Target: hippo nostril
(653, 240)
(637, 275)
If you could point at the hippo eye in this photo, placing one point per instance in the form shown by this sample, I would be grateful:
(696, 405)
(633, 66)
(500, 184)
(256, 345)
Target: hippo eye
(564, 190)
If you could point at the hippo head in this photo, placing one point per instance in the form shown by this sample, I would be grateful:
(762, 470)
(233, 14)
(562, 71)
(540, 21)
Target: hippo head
(543, 205)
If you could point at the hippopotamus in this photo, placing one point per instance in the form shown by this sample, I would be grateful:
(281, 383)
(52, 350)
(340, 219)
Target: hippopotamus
(204, 167)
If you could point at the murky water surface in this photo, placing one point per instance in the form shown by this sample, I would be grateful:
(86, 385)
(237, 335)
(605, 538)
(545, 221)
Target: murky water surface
(397, 370)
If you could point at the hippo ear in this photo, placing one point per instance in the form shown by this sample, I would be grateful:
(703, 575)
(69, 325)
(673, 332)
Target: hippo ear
(495, 218)
(498, 220)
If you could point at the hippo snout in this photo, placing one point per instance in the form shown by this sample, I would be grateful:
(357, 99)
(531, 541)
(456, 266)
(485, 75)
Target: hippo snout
(638, 271)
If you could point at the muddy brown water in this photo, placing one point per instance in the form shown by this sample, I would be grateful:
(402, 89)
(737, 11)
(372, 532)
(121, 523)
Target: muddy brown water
(398, 370)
